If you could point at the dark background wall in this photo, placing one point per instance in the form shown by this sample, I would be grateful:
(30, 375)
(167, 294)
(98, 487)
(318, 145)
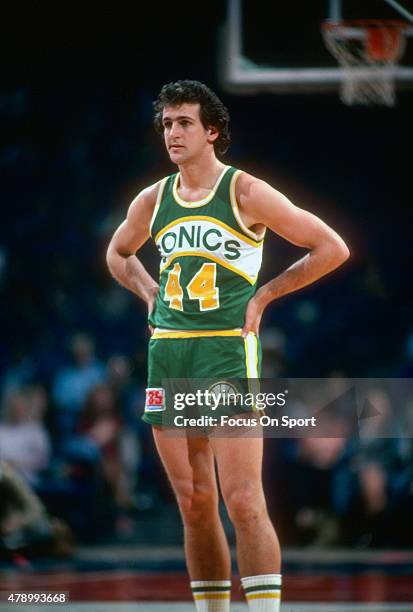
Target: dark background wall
(78, 144)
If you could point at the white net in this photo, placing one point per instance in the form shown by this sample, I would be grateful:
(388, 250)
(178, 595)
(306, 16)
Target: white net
(368, 52)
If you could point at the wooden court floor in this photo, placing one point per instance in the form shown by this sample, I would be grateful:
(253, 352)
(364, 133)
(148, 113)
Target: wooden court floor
(134, 579)
(188, 607)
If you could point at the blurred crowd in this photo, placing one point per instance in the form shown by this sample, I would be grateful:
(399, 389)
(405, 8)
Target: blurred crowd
(77, 444)
(78, 464)
(353, 484)
(338, 491)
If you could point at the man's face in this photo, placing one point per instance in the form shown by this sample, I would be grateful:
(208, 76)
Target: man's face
(185, 136)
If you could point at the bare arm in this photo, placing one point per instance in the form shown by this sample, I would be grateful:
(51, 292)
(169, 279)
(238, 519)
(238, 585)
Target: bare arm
(260, 204)
(130, 236)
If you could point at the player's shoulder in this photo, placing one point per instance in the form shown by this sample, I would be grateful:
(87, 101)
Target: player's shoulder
(246, 184)
(147, 198)
(149, 194)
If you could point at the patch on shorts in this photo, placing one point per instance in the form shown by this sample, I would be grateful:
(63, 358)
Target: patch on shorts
(155, 399)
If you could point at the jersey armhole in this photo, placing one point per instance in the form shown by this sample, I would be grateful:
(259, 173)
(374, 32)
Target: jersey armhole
(235, 210)
(157, 203)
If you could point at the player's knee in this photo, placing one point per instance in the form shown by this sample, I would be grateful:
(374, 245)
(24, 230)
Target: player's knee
(245, 505)
(197, 504)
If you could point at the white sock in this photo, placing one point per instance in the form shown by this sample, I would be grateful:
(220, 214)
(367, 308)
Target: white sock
(263, 593)
(211, 595)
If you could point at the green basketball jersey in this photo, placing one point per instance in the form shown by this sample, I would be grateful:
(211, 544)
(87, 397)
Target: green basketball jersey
(209, 258)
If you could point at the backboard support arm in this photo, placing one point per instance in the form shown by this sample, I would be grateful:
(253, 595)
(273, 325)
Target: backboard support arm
(239, 74)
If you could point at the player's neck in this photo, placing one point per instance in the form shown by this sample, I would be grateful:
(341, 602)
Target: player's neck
(202, 173)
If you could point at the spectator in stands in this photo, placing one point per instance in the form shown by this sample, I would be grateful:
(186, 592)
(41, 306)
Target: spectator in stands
(101, 424)
(73, 382)
(378, 461)
(95, 462)
(319, 467)
(273, 342)
(25, 525)
(315, 469)
(20, 372)
(24, 440)
(124, 389)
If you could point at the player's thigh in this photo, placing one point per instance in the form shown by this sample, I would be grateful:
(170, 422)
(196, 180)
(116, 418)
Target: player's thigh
(189, 464)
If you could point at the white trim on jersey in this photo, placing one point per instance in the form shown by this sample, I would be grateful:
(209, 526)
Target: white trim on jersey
(197, 203)
(162, 184)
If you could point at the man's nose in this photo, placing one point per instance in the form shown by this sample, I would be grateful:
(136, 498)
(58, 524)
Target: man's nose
(175, 129)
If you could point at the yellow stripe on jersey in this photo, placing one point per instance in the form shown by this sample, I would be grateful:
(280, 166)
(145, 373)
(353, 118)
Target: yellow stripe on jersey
(250, 279)
(212, 220)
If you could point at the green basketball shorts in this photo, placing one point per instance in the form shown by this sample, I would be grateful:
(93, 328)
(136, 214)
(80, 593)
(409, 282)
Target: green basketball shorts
(217, 354)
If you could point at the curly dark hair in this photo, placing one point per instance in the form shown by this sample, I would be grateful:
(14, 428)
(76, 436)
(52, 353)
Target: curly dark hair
(212, 112)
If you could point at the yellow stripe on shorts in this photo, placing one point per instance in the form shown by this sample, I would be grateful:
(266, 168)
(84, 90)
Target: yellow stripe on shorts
(170, 333)
(251, 355)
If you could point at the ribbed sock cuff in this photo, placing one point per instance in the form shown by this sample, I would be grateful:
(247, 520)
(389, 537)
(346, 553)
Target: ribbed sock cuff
(211, 595)
(265, 586)
(274, 579)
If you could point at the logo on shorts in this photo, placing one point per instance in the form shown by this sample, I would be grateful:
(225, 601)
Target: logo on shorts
(224, 392)
(155, 399)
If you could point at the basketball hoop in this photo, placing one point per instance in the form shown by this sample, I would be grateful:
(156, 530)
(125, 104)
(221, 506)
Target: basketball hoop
(368, 51)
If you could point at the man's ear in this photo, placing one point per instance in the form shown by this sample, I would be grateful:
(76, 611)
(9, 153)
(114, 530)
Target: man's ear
(212, 133)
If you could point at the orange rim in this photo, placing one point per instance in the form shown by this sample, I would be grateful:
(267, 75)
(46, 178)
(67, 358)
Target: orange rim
(383, 36)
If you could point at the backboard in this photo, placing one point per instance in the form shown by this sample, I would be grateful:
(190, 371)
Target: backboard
(278, 47)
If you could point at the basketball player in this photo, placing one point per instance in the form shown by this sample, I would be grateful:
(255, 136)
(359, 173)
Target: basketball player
(208, 222)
